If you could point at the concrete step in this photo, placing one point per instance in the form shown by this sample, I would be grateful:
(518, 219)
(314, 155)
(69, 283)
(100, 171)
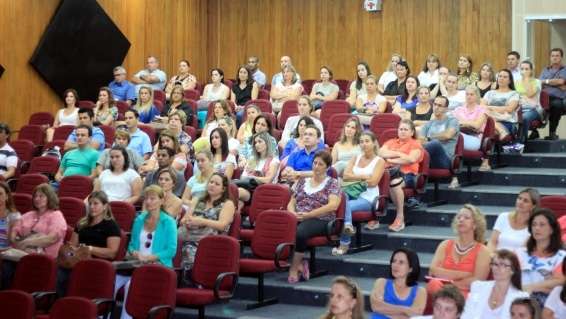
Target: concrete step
(236, 308)
(542, 160)
(543, 146)
(522, 176)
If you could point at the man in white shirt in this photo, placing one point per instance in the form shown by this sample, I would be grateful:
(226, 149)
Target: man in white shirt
(513, 59)
(151, 76)
(278, 78)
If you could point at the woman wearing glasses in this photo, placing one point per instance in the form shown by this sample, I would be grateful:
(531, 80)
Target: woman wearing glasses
(492, 299)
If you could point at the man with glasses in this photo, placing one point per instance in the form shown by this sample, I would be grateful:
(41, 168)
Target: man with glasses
(122, 89)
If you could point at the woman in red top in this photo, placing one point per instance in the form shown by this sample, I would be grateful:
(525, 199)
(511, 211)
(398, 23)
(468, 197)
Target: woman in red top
(462, 260)
(403, 155)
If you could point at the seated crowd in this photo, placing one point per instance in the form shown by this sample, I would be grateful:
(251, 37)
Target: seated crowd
(179, 176)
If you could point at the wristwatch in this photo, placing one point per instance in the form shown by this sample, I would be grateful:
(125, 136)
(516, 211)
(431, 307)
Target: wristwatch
(546, 81)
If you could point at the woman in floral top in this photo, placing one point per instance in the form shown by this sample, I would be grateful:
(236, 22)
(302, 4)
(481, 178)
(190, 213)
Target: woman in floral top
(314, 202)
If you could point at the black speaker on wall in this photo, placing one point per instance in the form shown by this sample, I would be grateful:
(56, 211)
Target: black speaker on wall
(80, 47)
(1, 70)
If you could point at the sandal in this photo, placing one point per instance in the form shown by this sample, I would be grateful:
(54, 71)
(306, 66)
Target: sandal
(397, 226)
(349, 230)
(372, 225)
(306, 274)
(340, 250)
(484, 168)
(454, 184)
(292, 280)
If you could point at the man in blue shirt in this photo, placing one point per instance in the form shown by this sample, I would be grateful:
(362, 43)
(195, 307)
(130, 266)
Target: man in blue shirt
(299, 163)
(258, 76)
(139, 140)
(97, 141)
(122, 89)
(553, 80)
(150, 76)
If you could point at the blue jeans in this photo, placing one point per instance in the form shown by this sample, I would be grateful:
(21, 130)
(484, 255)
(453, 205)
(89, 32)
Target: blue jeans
(353, 205)
(438, 157)
(528, 116)
(239, 117)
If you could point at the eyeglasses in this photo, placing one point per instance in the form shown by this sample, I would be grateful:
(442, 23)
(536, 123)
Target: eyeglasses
(500, 265)
(148, 242)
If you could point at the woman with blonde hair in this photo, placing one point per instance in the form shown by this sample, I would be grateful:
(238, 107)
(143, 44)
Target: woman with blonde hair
(147, 111)
(389, 75)
(486, 81)
(346, 300)
(348, 146)
(290, 89)
(196, 185)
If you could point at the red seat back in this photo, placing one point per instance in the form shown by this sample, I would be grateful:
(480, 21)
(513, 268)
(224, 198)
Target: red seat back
(555, 202)
(273, 227)
(234, 231)
(92, 278)
(159, 96)
(334, 128)
(122, 106)
(63, 132)
(75, 186)
(34, 273)
(307, 85)
(72, 308)
(344, 85)
(330, 108)
(122, 249)
(384, 121)
(109, 132)
(73, 209)
(545, 100)
(44, 165)
(215, 255)
(41, 118)
(263, 94)
(193, 105)
(16, 304)
(387, 135)
(124, 214)
(87, 104)
(269, 196)
(28, 182)
(288, 109)
(24, 149)
(263, 104)
(151, 285)
(32, 133)
(149, 131)
(192, 94)
(23, 202)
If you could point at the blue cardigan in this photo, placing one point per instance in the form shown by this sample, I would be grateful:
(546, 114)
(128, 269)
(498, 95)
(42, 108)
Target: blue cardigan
(164, 242)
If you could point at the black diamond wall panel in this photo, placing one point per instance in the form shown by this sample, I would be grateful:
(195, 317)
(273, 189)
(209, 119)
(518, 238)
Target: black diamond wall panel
(80, 47)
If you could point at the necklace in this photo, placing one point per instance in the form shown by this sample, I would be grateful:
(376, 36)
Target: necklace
(464, 250)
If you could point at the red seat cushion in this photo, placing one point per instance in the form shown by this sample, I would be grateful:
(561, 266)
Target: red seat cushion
(317, 241)
(246, 234)
(362, 216)
(196, 296)
(249, 265)
(439, 173)
(473, 154)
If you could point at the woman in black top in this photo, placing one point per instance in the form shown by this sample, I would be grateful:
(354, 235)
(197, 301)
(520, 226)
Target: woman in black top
(177, 102)
(98, 231)
(397, 87)
(243, 90)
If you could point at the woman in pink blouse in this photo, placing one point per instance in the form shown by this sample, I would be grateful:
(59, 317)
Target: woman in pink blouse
(472, 118)
(314, 203)
(41, 230)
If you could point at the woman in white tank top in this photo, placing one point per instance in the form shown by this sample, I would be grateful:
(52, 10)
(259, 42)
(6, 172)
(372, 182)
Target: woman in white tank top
(68, 115)
(366, 168)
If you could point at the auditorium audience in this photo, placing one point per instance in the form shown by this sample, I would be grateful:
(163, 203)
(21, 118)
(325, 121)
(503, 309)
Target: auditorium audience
(139, 140)
(289, 89)
(525, 308)
(429, 76)
(553, 79)
(399, 295)
(464, 71)
(440, 136)
(542, 257)
(176, 123)
(555, 305)
(513, 59)
(165, 157)
(472, 119)
(9, 216)
(176, 102)
(370, 103)
(151, 76)
(211, 214)
(529, 89)
(305, 107)
(229, 126)
(144, 106)
(196, 185)
(86, 118)
(278, 78)
(153, 238)
(300, 161)
(511, 229)
(314, 203)
(220, 109)
(447, 303)
(358, 86)
(502, 104)
(258, 76)
(465, 259)
(325, 90)
(397, 87)
(119, 182)
(224, 161)
(403, 156)
(243, 90)
(408, 100)
(492, 299)
(245, 130)
(361, 185)
(172, 204)
(261, 168)
(105, 110)
(8, 156)
(215, 90)
(347, 146)
(122, 89)
(345, 301)
(390, 73)
(296, 141)
(486, 80)
(98, 231)
(80, 160)
(68, 115)
(183, 78)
